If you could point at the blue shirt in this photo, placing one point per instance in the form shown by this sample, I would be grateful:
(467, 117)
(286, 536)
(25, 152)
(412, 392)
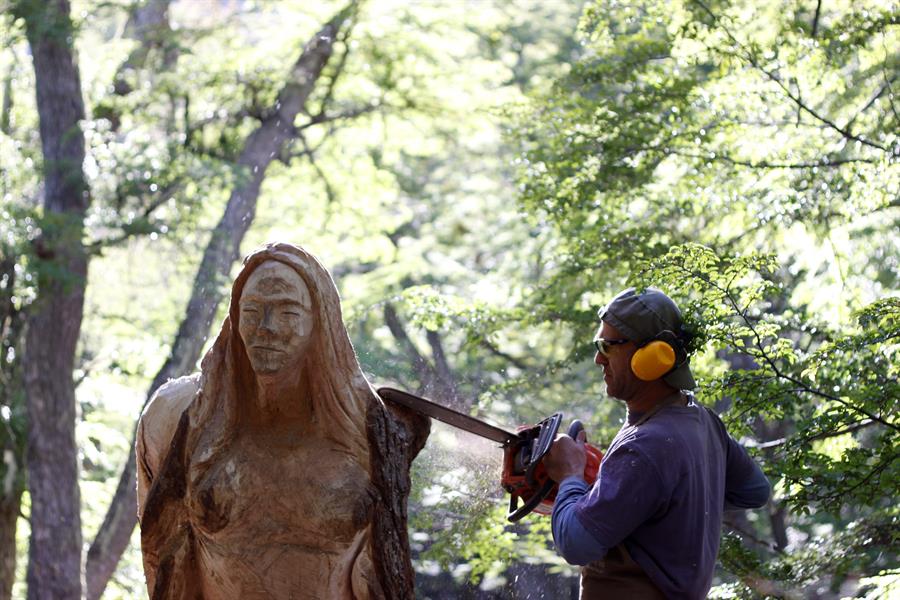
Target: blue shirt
(661, 490)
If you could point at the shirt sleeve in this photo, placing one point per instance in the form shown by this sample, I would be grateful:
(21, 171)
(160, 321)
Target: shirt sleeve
(573, 542)
(628, 492)
(746, 486)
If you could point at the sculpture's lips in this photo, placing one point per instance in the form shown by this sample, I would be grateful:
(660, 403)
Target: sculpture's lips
(266, 348)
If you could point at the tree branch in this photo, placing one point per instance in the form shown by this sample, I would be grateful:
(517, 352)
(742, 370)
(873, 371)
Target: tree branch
(822, 435)
(843, 491)
(150, 24)
(815, 23)
(793, 379)
(164, 196)
(886, 87)
(420, 364)
(771, 362)
(729, 520)
(888, 82)
(351, 113)
(749, 57)
(444, 380)
(497, 352)
(342, 60)
(310, 154)
(762, 164)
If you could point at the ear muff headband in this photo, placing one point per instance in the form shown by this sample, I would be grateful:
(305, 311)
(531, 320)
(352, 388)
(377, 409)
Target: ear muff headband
(657, 357)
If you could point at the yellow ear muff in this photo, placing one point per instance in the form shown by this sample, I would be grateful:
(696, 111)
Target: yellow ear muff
(653, 360)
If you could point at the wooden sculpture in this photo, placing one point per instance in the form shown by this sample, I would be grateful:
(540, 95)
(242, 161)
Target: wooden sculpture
(276, 472)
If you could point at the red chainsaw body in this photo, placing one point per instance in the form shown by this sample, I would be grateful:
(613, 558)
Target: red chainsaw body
(515, 481)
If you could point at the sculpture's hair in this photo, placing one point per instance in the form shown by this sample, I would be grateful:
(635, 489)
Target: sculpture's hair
(337, 389)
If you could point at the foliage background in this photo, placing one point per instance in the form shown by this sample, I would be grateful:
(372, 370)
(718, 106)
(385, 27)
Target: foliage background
(503, 169)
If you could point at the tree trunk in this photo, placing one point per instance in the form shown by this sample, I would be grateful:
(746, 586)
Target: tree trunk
(9, 515)
(262, 146)
(435, 381)
(444, 373)
(54, 568)
(778, 522)
(396, 436)
(778, 512)
(149, 24)
(12, 426)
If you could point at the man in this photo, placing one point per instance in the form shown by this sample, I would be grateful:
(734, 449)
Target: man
(650, 525)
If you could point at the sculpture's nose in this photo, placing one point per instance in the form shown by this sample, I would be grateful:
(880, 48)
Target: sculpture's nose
(267, 321)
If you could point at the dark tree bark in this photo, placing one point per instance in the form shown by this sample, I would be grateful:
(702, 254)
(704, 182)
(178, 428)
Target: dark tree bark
(6, 108)
(777, 514)
(9, 514)
(54, 568)
(262, 147)
(396, 436)
(12, 429)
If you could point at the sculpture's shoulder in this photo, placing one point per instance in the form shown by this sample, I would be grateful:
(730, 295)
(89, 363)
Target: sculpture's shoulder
(160, 419)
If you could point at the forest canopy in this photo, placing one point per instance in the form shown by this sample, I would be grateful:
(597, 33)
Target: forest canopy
(479, 178)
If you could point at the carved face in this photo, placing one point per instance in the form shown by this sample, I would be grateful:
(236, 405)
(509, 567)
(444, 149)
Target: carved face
(276, 318)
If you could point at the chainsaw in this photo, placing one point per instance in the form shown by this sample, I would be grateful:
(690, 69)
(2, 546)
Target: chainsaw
(524, 476)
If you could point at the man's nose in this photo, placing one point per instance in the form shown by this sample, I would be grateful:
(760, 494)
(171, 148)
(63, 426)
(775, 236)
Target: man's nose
(600, 359)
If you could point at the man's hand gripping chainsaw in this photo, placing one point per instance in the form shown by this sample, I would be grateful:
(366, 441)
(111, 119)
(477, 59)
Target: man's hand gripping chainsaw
(524, 476)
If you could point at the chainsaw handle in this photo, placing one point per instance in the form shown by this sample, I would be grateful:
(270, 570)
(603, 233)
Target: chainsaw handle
(575, 428)
(541, 446)
(517, 512)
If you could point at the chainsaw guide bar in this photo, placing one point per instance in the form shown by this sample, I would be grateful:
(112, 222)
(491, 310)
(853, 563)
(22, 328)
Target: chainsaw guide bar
(448, 416)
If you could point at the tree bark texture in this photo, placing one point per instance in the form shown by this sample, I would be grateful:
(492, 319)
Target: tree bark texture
(12, 429)
(54, 568)
(9, 515)
(261, 148)
(396, 435)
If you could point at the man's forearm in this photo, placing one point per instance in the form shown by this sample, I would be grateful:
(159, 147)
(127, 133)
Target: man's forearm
(573, 542)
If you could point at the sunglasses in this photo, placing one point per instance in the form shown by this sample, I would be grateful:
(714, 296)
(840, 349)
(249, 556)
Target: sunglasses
(604, 346)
